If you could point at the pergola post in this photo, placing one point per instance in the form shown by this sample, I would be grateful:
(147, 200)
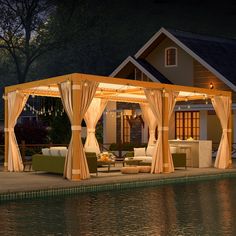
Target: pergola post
(230, 137)
(165, 132)
(6, 134)
(76, 129)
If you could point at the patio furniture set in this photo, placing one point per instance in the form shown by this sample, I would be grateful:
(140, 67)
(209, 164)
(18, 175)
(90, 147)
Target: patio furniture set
(138, 161)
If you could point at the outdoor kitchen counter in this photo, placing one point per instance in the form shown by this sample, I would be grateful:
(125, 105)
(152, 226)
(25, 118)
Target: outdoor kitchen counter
(198, 152)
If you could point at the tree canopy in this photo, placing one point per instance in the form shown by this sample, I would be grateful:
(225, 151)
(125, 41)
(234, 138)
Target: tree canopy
(44, 38)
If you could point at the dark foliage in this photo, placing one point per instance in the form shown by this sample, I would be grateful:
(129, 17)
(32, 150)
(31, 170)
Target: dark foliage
(31, 133)
(60, 132)
(1, 137)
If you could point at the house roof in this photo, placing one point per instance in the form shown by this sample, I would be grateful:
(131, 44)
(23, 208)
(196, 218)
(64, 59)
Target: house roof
(217, 54)
(150, 71)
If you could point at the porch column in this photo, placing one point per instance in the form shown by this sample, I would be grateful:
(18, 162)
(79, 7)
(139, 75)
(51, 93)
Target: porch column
(76, 130)
(6, 135)
(165, 132)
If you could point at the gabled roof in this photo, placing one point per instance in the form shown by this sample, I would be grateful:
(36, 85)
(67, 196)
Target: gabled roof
(150, 71)
(218, 55)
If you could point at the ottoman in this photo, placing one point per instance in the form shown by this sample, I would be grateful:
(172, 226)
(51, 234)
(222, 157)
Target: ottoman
(130, 170)
(144, 169)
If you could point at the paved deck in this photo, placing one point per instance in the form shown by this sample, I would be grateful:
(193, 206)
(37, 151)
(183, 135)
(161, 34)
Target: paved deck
(13, 182)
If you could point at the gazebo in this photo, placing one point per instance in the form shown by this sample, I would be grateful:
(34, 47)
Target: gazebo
(85, 96)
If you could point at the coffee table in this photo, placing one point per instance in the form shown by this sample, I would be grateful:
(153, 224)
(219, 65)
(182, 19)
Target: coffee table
(132, 162)
(107, 163)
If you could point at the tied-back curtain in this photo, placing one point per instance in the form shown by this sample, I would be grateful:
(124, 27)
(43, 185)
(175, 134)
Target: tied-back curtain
(154, 98)
(88, 90)
(151, 122)
(16, 103)
(91, 117)
(65, 89)
(171, 104)
(222, 106)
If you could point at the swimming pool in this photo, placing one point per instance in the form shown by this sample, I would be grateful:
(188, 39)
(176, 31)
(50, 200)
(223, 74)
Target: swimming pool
(197, 208)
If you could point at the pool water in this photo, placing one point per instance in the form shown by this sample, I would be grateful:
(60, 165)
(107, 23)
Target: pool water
(198, 208)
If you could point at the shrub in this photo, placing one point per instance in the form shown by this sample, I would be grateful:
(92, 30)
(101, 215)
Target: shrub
(31, 133)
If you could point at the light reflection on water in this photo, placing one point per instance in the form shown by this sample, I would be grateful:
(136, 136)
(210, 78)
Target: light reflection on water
(203, 208)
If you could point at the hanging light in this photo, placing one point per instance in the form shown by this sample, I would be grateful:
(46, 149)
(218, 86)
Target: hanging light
(211, 86)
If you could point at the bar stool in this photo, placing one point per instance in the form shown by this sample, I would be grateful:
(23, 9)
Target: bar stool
(187, 149)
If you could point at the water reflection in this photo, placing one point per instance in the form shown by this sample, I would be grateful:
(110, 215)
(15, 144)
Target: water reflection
(206, 208)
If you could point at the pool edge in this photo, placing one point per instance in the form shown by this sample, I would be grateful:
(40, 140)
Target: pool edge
(63, 191)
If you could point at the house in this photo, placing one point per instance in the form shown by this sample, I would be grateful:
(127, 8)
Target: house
(179, 58)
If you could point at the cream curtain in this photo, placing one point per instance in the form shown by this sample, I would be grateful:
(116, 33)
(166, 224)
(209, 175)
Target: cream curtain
(154, 98)
(65, 89)
(150, 120)
(222, 106)
(88, 90)
(16, 103)
(91, 117)
(171, 104)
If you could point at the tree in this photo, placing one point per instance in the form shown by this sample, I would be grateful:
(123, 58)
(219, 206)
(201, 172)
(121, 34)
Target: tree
(24, 32)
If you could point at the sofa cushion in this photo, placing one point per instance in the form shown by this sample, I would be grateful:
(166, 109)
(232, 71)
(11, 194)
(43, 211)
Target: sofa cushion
(63, 152)
(150, 150)
(147, 159)
(54, 152)
(60, 147)
(45, 151)
(173, 150)
(139, 152)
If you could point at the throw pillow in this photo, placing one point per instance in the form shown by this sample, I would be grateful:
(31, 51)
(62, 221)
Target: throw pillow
(150, 150)
(45, 151)
(139, 152)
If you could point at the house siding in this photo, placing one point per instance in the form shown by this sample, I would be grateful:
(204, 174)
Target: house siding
(203, 77)
(182, 74)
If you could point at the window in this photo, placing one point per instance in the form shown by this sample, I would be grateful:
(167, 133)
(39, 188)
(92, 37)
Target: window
(187, 124)
(170, 57)
(126, 129)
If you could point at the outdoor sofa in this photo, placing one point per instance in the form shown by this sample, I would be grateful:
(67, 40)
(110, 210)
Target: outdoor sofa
(144, 157)
(55, 164)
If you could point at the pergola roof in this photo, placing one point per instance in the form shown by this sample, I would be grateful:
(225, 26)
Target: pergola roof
(114, 89)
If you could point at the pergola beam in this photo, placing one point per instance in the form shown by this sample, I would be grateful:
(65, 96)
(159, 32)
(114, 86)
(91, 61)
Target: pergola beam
(103, 79)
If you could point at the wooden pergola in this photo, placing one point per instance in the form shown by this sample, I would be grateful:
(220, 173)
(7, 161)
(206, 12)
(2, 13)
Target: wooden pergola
(113, 89)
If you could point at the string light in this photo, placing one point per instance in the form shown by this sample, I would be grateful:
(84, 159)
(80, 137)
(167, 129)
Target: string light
(42, 111)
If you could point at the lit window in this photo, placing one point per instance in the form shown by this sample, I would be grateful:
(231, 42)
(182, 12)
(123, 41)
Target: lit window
(170, 57)
(187, 124)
